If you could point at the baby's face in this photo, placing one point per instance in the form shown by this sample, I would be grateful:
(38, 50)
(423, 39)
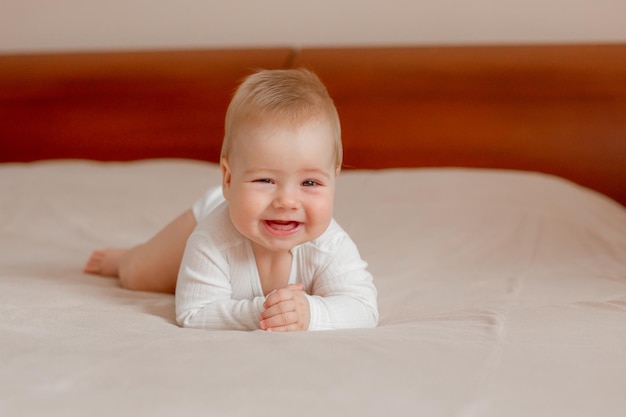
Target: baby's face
(279, 181)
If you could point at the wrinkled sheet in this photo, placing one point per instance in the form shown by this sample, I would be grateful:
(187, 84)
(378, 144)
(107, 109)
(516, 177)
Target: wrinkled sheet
(501, 294)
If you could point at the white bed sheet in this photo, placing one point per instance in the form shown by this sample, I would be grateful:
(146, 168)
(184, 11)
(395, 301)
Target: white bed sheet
(501, 294)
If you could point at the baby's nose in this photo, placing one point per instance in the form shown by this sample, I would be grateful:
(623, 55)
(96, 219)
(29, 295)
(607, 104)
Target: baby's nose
(287, 200)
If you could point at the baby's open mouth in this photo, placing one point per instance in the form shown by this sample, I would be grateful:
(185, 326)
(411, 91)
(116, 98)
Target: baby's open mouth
(282, 227)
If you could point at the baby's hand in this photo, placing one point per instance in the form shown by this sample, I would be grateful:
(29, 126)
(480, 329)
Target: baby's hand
(286, 310)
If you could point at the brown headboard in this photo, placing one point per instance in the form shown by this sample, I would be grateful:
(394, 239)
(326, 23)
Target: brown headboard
(558, 109)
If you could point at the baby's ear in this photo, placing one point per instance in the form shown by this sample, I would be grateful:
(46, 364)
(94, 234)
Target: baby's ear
(226, 177)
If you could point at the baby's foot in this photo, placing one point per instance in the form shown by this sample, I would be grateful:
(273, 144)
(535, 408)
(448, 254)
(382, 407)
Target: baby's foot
(105, 262)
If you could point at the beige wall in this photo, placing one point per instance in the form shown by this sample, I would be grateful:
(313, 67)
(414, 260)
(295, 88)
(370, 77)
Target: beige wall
(29, 25)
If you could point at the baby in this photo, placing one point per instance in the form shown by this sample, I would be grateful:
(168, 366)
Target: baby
(262, 251)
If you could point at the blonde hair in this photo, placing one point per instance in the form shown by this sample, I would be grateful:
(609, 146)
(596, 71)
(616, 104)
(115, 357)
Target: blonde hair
(294, 95)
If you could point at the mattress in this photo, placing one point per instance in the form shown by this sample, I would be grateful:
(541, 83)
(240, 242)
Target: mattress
(501, 293)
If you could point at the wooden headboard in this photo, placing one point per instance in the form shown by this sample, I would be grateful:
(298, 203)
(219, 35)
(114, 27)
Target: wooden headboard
(558, 109)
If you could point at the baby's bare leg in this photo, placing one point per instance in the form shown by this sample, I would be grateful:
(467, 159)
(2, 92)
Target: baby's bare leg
(151, 266)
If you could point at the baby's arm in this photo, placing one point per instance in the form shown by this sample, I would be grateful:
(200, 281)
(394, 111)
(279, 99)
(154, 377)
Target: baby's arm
(204, 292)
(222, 314)
(343, 295)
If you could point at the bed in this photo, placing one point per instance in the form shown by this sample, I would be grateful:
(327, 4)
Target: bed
(484, 185)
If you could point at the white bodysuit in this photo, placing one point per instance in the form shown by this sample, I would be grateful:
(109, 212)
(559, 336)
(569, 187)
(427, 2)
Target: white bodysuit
(219, 286)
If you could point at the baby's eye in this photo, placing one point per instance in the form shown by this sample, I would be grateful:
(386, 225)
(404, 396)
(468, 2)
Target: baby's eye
(310, 183)
(264, 180)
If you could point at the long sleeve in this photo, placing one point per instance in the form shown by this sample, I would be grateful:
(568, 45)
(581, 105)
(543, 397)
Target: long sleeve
(342, 293)
(207, 296)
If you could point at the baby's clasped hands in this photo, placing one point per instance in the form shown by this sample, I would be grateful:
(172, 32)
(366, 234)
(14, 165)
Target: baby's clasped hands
(286, 310)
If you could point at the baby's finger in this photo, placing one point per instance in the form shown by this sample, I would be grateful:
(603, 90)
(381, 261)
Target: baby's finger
(277, 309)
(277, 296)
(280, 320)
(290, 328)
